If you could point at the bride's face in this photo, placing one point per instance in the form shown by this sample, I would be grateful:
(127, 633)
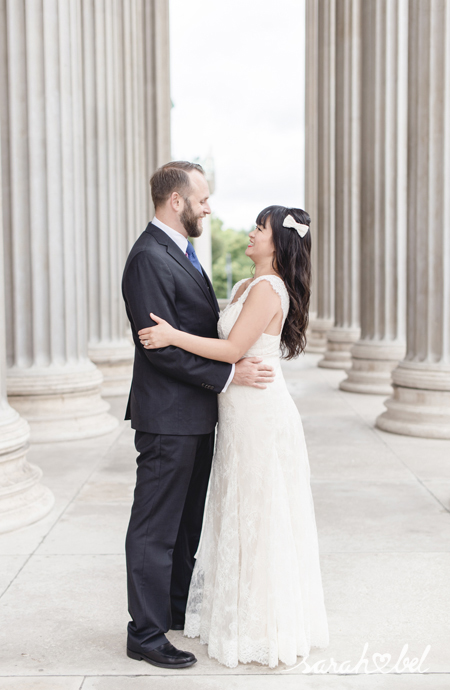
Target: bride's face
(260, 246)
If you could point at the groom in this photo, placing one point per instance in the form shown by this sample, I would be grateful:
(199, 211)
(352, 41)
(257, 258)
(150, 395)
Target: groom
(173, 408)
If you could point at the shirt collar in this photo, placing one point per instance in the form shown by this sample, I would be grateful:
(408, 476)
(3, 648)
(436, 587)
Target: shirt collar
(174, 235)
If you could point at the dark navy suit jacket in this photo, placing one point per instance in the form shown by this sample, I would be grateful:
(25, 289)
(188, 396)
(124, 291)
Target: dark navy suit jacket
(172, 391)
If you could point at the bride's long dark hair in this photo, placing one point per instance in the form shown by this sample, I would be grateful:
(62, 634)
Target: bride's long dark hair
(292, 262)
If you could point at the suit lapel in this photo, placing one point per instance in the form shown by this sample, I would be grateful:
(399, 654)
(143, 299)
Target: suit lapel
(211, 292)
(177, 254)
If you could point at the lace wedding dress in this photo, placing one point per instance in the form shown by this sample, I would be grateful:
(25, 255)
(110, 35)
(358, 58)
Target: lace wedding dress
(256, 590)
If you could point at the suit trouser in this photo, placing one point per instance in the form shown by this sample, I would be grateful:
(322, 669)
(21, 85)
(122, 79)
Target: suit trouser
(164, 531)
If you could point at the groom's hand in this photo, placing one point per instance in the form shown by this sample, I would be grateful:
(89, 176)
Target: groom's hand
(250, 371)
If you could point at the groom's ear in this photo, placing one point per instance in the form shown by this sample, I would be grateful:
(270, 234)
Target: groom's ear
(175, 201)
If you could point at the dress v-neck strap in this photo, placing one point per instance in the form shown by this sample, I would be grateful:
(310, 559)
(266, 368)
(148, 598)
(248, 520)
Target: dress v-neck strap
(236, 288)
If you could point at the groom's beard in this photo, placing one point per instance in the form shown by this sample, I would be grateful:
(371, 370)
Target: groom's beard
(190, 221)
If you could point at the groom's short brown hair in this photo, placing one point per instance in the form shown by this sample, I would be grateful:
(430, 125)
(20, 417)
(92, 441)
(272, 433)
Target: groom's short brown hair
(172, 177)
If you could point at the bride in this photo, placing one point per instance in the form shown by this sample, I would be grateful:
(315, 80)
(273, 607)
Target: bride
(256, 590)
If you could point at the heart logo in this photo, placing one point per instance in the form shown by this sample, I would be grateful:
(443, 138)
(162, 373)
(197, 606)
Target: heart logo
(381, 660)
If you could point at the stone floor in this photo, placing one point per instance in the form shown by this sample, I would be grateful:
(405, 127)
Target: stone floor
(382, 504)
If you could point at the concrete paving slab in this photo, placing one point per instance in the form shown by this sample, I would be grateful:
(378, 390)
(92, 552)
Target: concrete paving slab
(191, 682)
(305, 361)
(26, 540)
(379, 516)
(337, 430)
(42, 683)
(441, 490)
(10, 566)
(74, 460)
(67, 477)
(388, 600)
(309, 405)
(66, 467)
(118, 406)
(127, 435)
(366, 406)
(332, 376)
(414, 442)
(89, 527)
(121, 459)
(109, 491)
(109, 487)
(370, 462)
(123, 448)
(309, 384)
(66, 615)
(424, 461)
(275, 682)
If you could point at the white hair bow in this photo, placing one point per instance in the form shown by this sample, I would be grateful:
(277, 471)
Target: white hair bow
(290, 222)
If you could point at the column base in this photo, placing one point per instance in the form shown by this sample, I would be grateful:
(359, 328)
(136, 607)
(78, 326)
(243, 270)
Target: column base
(339, 345)
(61, 403)
(317, 335)
(372, 366)
(422, 406)
(115, 363)
(23, 500)
(116, 378)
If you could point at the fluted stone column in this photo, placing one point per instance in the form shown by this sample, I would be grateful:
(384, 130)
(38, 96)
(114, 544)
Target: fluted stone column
(383, 223)
(322, 227)
(125, 53)
(51, 381)
(311, 138)
(157, 21)
(202, 244)
(420, 404)
(23, 499)
(106, 235)
(147, 103)
(345, 332)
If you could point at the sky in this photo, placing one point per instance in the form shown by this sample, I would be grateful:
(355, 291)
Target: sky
(237, 87)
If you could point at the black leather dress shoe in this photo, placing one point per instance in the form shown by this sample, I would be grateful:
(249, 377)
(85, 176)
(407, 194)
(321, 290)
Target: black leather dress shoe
(164, 656)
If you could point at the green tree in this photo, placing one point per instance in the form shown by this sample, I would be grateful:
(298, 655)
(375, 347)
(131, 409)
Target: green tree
(233, 242)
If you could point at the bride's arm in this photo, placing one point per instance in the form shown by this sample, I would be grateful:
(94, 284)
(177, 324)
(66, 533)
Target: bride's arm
(260, 307)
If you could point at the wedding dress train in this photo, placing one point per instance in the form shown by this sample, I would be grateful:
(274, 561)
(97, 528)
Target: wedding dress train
(256, 590)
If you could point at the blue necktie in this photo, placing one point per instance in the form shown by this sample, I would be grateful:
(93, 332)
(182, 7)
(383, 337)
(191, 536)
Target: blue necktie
(193, 258)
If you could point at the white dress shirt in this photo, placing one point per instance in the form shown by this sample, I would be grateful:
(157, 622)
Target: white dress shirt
(182, 242)
(174, 235)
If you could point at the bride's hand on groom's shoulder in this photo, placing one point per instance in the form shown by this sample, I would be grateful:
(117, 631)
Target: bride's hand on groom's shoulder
(157, 336)
(251, 371)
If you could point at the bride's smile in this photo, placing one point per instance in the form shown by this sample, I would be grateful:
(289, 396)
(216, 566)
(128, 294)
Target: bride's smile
(261, 248)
